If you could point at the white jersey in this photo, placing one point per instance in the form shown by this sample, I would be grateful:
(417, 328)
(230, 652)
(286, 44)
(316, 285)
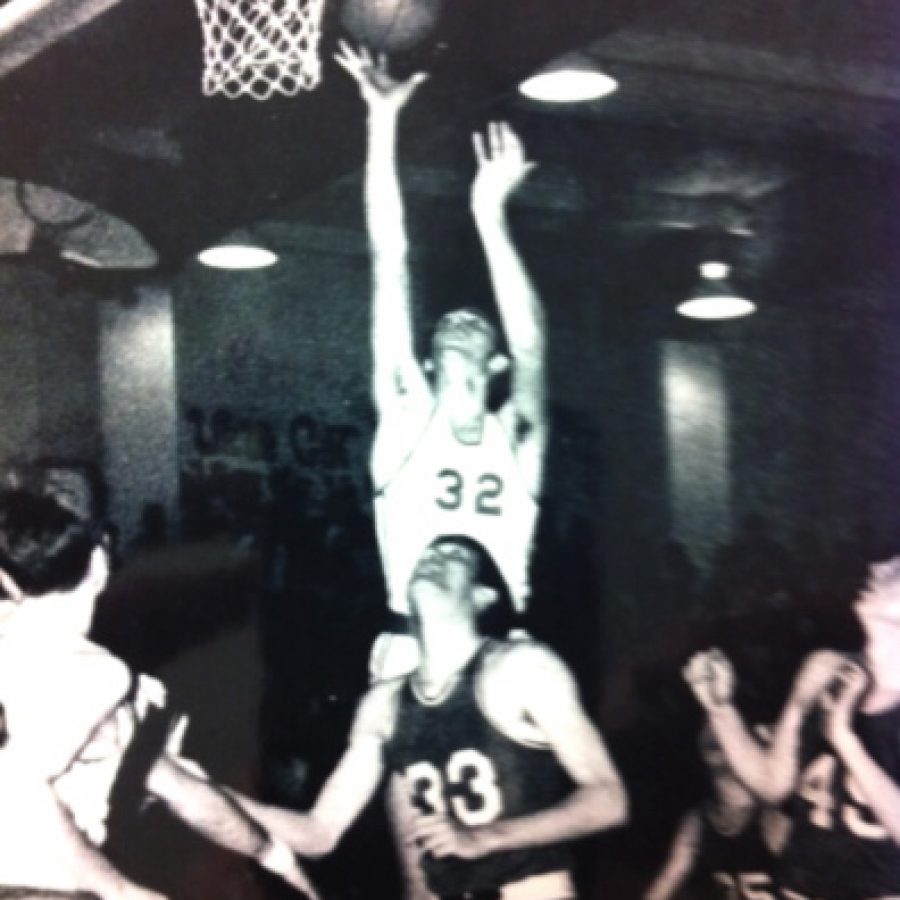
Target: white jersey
(447, 487)
(71, 710)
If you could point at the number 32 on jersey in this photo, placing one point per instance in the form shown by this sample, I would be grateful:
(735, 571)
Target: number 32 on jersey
(469, 782)
(484, 496)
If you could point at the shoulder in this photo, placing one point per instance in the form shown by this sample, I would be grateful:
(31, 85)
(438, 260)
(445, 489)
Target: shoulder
(97, 669)
(82, 670)
(525, 662)
(522, 678)
(377, 711)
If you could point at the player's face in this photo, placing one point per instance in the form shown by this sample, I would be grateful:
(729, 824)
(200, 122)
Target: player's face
(444, 574)
(882, 648)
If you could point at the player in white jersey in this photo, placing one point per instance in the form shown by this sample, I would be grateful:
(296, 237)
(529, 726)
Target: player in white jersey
(835, 755)
(441, 462)
(70, 713)
(491, 760)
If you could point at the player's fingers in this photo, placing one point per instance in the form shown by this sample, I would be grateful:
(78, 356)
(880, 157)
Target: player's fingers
(439, 844)
(495, 139)
(300, 880)
(382, 62)
(508, 137)
(365, 55)
(425, 825)
(480, 155)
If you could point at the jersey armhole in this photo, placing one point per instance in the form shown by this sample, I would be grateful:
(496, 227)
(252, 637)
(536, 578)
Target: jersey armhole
(398, 423)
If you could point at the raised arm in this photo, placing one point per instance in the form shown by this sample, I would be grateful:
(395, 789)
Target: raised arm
(553, 709)
(397, 377)
(502, 167)
(769, 773)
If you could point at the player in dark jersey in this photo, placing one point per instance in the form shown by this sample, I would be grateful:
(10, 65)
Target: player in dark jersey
(492, 762)
(835, 754)
(71, 711)
(728, 844)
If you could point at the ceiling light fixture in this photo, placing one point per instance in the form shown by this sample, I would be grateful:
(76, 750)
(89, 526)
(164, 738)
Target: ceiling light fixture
(237, 254)
(714, 298)
(573, 78)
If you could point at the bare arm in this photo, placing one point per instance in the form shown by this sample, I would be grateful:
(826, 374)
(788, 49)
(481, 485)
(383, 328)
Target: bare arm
(502, 167)
(680, 861)
(211, 811)
(769, 773)
(347, 791)
(599, 800)
(879, 791)
(397, 378)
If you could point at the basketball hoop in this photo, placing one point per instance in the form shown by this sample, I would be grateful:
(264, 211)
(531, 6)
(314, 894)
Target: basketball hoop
(258, 48)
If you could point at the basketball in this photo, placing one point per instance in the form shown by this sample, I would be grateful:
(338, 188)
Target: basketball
(390, 26)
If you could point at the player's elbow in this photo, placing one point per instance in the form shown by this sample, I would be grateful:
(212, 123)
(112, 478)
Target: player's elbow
(316, 838)
(771, 789)
(608, 804)
(617, 804)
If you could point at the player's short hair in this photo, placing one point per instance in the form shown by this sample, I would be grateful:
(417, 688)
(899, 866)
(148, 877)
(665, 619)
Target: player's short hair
(43, 547)
(467, 323)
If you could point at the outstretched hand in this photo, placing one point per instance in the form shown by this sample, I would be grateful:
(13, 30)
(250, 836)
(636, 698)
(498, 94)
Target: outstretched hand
(711, 677)
(502, 166)
(381, 91)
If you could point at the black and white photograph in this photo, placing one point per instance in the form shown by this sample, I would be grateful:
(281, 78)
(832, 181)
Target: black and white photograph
(450, 450)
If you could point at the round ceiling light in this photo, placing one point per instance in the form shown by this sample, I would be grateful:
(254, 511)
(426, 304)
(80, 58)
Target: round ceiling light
(568, 84)
(714, 298)
(713, 307)
(237, 256)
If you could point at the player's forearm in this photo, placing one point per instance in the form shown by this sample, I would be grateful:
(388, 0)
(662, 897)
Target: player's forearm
(517, 298)
(305, 834)
(386, 223)
(207, 809)
(768, 774)
(679, 863)
(586, 811)
(385, 216)
(878, 789)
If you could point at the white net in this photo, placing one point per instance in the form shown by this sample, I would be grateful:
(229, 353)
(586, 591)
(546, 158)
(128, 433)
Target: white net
(258, 48)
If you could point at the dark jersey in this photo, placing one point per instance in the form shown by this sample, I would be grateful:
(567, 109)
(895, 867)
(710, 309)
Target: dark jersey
(456, 762)
(838, 850)
(739, 866)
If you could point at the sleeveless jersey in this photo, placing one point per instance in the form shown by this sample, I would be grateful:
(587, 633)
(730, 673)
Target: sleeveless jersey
(838, 850)
(738, 866)
(454, 761)
(447, 487)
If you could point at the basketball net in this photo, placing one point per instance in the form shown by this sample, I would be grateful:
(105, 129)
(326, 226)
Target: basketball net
(258, 48)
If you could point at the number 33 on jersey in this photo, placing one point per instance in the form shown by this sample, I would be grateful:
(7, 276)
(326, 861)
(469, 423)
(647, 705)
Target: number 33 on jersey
(469, 783)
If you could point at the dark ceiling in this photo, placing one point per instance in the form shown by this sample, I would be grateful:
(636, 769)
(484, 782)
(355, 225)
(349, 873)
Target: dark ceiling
(770, 125)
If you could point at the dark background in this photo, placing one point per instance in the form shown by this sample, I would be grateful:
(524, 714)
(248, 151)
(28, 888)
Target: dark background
(705, 481)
